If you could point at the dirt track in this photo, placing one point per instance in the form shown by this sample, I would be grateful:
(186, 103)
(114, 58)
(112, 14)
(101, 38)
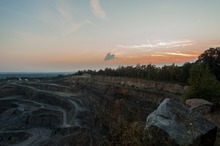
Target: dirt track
(36, 110)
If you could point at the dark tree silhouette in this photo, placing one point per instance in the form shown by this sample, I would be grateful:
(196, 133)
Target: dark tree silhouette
(211, 58)
(203, 84)
(169, 73)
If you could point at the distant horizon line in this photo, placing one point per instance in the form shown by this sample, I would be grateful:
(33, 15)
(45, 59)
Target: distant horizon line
(97, 69)
(33, 72)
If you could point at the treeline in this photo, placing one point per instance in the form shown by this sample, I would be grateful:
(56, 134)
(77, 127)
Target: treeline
(202, 76)
(210, 60)
(170, 73)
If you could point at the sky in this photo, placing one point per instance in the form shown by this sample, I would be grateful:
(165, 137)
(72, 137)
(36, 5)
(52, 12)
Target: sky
(71, 35)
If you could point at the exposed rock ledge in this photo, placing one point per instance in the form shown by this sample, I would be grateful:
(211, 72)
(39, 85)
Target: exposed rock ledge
(129, 82)
(174, 124)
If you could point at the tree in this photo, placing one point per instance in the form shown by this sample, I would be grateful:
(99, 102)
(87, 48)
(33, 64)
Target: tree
(184, 72)
(211, 58)
(203, 84)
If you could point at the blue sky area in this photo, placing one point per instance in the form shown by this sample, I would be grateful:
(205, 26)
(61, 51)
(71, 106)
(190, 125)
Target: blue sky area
(67, 35)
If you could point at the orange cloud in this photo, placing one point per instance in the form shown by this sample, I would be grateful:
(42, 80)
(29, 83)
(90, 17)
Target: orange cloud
(157, 58)
(162, 52)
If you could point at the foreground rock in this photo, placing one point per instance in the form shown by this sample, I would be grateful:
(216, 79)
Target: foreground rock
(174, 124)
(200, 105)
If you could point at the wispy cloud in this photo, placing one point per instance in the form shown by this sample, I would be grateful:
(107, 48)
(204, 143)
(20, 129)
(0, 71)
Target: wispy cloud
(181, 54)
(158, 44)
(158, 51)
(90, 22)
(157, 55)
(97, 9)
(67, 23)
(175, 54)
(174, 43)
(61, 17)
(63, 8)
(136, 46)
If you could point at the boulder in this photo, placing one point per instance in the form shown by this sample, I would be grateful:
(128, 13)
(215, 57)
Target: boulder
(200, 105)
(174, 124)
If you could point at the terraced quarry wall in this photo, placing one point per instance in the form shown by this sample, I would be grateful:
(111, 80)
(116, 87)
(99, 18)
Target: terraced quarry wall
(121, 99)
(43, 113)
(74, 110)
(129, 82)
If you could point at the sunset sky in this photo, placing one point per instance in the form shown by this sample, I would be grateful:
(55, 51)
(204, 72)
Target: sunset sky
(68, 35)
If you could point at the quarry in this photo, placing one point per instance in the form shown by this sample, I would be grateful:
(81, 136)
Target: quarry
(83, 110)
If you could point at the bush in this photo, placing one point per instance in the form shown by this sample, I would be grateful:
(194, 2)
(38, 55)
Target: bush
(203, 84)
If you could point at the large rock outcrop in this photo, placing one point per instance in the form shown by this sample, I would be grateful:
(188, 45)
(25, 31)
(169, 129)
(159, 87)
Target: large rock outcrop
(174, 124)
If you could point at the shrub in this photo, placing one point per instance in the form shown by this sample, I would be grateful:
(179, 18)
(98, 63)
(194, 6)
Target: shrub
(203, 84)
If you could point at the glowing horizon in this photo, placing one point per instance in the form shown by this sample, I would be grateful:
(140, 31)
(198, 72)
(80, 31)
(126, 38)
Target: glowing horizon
(71, 35)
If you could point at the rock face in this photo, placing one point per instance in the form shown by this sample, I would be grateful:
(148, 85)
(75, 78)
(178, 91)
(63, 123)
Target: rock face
(128, 82)
(78, 110)
(116, 103)
(200, 105)
(38, 113)
(174, 124)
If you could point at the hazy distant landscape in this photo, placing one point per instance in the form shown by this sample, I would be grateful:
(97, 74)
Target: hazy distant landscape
(31, 75)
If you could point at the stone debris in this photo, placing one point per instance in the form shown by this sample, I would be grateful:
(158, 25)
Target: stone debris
(200, 105)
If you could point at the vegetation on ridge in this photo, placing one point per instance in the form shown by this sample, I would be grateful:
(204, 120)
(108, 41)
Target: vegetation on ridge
(171, 73)
(202, 76)
(203, 84)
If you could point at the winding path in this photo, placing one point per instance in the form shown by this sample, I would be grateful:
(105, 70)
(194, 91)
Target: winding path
(28, 105)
